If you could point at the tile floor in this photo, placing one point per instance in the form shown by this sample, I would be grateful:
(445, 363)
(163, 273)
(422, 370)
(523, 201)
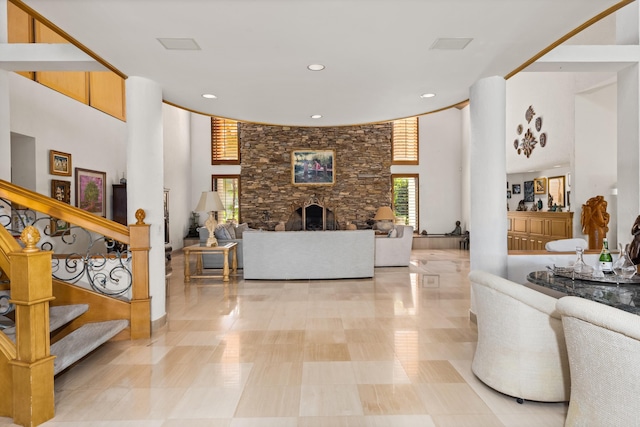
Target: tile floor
(392, 351)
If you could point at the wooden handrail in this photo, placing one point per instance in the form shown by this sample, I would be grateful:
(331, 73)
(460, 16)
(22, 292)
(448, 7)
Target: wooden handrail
(8, 244)
(63, 211)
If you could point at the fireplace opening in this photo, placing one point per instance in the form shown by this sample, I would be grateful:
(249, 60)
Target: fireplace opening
(311, 217)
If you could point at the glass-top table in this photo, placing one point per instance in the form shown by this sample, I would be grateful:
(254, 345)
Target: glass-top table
(625, 296)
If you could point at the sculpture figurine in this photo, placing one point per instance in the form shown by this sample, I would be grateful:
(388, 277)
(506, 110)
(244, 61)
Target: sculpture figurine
(456, 231)
(634, 247)
(550, 202)
(595, 221)
(521, 206)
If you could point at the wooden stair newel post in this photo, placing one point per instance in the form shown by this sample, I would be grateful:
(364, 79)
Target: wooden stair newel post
(140, 300)
(31, 291)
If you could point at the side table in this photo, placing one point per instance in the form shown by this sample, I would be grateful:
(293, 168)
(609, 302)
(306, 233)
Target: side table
(199, 250)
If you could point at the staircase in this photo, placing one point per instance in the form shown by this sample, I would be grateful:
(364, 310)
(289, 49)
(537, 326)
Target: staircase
(60, 322)
(79, 343)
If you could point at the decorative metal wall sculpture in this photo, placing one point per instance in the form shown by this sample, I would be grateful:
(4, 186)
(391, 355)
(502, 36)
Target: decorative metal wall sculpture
(529, 140)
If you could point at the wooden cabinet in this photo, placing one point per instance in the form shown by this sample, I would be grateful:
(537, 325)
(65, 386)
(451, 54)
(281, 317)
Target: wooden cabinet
(530, 231)
(119, 203)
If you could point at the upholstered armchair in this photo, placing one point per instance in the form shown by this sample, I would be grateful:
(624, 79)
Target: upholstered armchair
(521, 350)
(394, 250)
(603, 344)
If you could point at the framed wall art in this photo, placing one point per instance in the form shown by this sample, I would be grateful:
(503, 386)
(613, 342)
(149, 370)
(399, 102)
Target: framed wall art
(59, 163)
(61, 191)
(516, 188)
(528, 191)
(313, 167)
(91, 189)
(540, 185)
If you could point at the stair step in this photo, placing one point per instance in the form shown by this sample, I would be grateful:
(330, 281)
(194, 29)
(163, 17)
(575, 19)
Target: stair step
(83, 341)
(60, 315)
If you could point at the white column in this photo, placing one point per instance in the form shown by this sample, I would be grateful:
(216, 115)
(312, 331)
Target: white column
(145, 176)
(488, 213)
(5, 122)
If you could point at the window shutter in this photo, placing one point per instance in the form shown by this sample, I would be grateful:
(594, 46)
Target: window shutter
(225, 148)
(405, 141)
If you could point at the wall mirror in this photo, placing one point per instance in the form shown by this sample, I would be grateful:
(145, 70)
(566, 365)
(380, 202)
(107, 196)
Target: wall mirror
(556, 189)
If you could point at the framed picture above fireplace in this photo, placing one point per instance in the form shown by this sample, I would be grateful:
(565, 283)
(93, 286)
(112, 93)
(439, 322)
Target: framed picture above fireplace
(313, 167)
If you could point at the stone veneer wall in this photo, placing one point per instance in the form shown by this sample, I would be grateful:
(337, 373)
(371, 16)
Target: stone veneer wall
(362, 171)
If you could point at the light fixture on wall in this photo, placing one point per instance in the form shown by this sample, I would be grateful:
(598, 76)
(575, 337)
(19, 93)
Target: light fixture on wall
(210, 202)
(385, 218)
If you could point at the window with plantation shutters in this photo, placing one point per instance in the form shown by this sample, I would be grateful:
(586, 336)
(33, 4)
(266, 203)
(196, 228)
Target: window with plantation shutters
(405, 198)
(225, 147)
(228, 188)
(404, 142)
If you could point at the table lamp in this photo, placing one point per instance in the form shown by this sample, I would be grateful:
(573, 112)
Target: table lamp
(385, 218)
(210, 202)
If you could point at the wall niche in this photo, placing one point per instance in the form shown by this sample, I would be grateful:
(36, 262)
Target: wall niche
(362, 171)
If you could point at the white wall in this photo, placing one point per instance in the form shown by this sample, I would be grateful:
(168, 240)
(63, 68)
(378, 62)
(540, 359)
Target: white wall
(94, 139)
(177, 171)
(440, 171)
(596, 154)
(552, 97)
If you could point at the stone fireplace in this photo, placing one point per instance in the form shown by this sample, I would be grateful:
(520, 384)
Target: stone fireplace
(362, 175)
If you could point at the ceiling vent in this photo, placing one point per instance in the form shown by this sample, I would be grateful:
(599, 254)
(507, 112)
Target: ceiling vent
(450, 43)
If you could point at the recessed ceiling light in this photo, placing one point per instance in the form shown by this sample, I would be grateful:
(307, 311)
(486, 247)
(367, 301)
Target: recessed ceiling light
(316, 116)
(209, 96)
(179, 44)
(557, 166)
(427, 95)
(315, 67)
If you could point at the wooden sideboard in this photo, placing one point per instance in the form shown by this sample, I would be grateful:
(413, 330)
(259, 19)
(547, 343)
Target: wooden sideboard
(530, 231)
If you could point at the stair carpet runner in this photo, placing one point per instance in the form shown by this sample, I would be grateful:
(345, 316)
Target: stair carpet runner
(78, 343)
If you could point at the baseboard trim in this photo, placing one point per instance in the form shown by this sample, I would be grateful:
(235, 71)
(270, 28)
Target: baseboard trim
(158, 323)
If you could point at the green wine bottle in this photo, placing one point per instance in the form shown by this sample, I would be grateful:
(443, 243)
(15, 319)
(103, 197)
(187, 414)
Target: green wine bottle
(606, 260)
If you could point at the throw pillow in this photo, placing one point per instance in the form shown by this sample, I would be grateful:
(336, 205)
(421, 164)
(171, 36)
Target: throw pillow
(393, 233)
(241, 228)
(221, 232)
(231, 229)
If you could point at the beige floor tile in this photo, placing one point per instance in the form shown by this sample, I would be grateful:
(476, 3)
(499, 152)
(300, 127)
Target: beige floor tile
(390, 399)
(278, 353)
(476, 420)
(456, 398)
(380, 372)
(329, 400)
(197, 423)
(284, 337)
(399, 421)
(371, 351)
(333, 336)
(376, 335)
(275, 374)
(435, 371)
(225, 375)
(207, 402)
(264, 422)
(328, 421)
(276, 401)
(328, 373)
(326, 352)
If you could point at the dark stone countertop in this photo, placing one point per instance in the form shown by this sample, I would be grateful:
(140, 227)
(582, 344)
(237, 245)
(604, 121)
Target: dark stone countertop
(626, 296)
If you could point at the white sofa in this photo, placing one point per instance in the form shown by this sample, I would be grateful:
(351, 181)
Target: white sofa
(394, 251)
(521, 349)
(299, 255)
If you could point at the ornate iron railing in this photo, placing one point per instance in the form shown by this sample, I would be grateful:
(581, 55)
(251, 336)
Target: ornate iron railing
(80, 257)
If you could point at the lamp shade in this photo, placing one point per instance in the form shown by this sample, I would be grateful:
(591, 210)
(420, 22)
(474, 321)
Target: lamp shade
(209, 202)
(384, 213)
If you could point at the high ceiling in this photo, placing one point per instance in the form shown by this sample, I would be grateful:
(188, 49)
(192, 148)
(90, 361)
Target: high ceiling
(379, 55)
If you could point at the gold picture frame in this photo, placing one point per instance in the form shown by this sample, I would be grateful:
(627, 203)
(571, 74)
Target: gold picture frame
(313, 167)
(59, 163)
(540, 185)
